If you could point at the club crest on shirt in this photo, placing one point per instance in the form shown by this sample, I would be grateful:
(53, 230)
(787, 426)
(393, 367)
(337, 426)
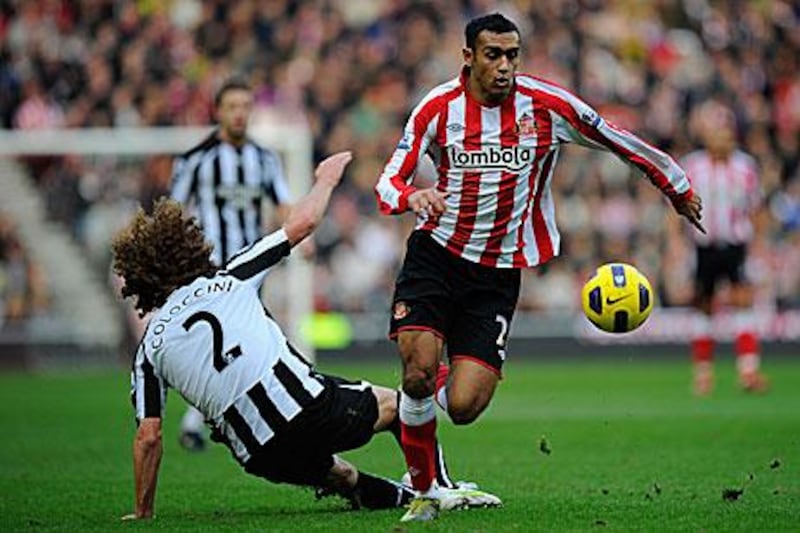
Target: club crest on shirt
(401, 310)
(526, 126)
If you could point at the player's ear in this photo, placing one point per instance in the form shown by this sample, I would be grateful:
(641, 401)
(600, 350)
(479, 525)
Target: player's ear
(469, 55)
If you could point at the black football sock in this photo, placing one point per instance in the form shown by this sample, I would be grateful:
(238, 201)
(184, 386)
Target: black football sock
(373, 492)
(442, 475)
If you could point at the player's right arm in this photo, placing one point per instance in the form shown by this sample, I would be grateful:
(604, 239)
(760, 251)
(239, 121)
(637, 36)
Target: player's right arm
(147, 450)
(252, 263)
(394, 189)
(148, 395)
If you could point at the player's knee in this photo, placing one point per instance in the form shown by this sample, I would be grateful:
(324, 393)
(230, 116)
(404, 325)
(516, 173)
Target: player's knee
(420, 353)
(465, 411)
(418, 382)
(342, 476)
(387, 406)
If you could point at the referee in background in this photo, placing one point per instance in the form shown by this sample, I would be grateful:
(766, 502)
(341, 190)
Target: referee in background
(223, 181)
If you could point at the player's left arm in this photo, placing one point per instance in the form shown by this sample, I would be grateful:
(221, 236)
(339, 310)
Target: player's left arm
(274, 184)
(252, 263)
(577, 121)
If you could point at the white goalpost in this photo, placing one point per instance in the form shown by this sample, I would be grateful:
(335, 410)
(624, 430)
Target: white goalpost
(291, 139)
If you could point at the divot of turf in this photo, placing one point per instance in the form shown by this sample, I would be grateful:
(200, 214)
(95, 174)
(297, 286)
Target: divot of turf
(732, 494)
(544, 446)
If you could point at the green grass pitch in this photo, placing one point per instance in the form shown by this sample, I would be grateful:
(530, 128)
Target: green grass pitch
(568, 444)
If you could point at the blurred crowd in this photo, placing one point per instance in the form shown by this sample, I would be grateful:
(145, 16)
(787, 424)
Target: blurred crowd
(23, 289)
(354, 69)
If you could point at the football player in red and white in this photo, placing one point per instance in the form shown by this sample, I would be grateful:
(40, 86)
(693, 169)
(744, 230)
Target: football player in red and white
(494, 136)
(729, 180)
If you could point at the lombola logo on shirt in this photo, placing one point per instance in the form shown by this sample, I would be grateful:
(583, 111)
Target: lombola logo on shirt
(490, 157)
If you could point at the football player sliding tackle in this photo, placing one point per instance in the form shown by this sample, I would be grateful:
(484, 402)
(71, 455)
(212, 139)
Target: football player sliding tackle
(211, 339)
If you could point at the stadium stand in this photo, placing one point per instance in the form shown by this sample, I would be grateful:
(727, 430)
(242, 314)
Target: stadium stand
(51, 293)
(354, 69)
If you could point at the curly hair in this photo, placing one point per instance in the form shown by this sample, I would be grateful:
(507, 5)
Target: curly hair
(156, 254)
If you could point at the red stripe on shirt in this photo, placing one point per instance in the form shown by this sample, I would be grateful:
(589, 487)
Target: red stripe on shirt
(470, 186)
(444, 163)
(509, 136)
(544, 133)
(540, 231)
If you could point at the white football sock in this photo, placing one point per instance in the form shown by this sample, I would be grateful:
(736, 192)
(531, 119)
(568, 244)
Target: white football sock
(415, 412)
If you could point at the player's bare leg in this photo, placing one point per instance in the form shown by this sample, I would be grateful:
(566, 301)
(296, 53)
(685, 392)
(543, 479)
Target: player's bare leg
(465, 393)
(388, 420)
(421, 353)
(451, 495)
(470, 389)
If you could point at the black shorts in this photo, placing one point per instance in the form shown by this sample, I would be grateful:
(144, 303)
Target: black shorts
(715, 263)
(342, 418)
(468, 305)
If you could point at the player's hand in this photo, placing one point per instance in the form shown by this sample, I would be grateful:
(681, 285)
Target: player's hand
(692, 209)
(308, 248)
(428, 201)
(331, 169)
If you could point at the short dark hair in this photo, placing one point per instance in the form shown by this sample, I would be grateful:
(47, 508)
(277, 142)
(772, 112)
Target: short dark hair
(495, 23)
(231, 84)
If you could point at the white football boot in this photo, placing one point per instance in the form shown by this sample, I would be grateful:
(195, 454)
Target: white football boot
(465, 495)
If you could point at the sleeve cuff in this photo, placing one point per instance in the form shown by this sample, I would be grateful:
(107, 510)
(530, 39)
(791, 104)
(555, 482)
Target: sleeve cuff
(685, 196)
(402, 203)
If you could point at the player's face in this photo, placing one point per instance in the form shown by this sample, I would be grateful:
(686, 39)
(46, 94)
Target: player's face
(492, 65)
(233, 113)
(720, 140)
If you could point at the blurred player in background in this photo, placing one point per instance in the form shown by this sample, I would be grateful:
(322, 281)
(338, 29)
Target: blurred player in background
(224, 180)
(728, 180)
(494, 136)
(211, 339)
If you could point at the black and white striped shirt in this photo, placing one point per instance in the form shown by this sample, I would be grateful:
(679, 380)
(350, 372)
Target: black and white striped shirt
(225, 185)
(215, 344)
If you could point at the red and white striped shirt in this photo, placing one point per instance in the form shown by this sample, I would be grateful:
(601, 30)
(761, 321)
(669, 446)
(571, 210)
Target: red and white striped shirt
(730, 190)
(496, 163)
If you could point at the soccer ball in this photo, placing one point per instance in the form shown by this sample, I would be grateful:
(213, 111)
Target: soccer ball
(617, 298)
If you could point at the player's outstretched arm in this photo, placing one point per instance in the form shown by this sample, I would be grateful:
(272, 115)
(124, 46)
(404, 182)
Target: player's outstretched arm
(253, 263)
(147, 451)
(308, 211)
